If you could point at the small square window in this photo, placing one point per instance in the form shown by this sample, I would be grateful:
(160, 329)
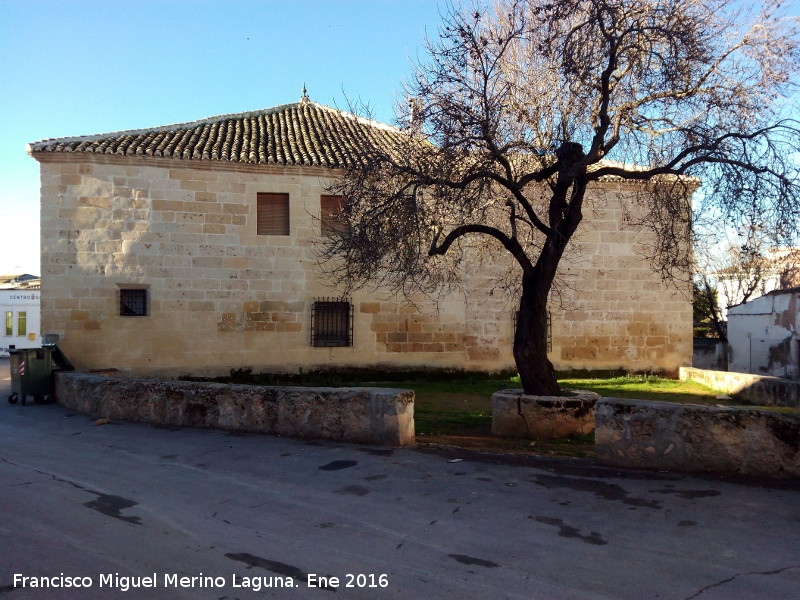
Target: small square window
(272, 214)
(133, 303)
(331, 323)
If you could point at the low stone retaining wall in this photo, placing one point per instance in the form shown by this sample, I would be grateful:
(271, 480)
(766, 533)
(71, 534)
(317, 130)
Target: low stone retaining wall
(693, 438)
(763, 390)
(542, 417)
(362, 415)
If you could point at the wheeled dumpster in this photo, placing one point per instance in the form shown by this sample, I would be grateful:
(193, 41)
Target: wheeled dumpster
(32, 372)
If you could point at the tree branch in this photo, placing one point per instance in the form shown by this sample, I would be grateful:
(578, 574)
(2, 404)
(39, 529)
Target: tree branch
(510, 244)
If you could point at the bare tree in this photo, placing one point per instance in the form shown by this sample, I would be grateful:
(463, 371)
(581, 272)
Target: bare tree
(731, 268)
(735, 265)
(521, 107)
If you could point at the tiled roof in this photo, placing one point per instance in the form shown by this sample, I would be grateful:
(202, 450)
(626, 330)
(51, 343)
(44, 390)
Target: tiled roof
(303, 133)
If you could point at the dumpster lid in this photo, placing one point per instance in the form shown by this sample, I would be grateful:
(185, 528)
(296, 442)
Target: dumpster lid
(59, 357)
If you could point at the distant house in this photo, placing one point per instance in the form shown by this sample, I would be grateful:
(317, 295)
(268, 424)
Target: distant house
(763, 335)
(189, 249)
(778, 269)
(20, 308)
(19, 281)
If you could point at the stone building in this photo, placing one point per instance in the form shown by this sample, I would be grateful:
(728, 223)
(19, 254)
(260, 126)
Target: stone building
(190, 249)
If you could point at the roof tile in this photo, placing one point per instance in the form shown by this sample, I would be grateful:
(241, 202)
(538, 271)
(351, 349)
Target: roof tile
(303, 133)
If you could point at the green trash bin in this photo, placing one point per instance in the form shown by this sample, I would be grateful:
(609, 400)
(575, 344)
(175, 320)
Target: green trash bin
(31, 374)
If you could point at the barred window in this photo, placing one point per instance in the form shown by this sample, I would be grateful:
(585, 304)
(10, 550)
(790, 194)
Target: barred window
(272, 216)
(331, 322)
(330, 214)
(133, 303)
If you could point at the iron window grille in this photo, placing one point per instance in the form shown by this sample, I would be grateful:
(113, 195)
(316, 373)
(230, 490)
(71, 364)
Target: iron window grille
(331, 322)
(549, 327)
(133, 303)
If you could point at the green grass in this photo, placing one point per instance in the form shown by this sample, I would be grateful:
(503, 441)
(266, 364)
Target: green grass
(459, 412)
(456, 408)
(458, 386)
(643, 387)
(452, 414)
(646, 387)
(447, 408)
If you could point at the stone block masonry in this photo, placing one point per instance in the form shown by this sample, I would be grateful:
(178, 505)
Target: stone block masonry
(360, 415)
(693, 438)
(542, 417)
(221, 296)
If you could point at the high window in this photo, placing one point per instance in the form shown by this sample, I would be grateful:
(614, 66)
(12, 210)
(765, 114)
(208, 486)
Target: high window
(272, 214)
(330, 213)
(22, 323)
(133, 303)
(9, 323)
(331, 322)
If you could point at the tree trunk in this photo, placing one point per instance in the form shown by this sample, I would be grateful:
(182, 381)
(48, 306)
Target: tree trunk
(530, 340)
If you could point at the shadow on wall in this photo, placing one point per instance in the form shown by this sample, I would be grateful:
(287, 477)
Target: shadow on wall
(711, 354)
(760, 390)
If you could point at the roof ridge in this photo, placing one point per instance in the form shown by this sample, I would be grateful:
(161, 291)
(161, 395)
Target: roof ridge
(33, 146)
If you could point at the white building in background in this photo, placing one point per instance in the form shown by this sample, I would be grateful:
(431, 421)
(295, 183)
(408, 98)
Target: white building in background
(778, 269)
(763, 335)
(20, 300)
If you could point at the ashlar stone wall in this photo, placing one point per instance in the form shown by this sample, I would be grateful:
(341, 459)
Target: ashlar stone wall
(221, 296)
(695, 438)
(358, 415)
(613, 309)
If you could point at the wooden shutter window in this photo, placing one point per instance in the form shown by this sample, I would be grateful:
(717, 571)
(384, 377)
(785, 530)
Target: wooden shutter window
(272, 214)
(331, 208)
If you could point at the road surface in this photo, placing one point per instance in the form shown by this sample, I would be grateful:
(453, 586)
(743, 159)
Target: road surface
(131, 511)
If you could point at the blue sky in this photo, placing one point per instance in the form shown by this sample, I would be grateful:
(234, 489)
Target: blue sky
(78, 67)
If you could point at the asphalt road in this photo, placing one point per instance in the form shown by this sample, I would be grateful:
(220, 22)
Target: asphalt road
(117, 505)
